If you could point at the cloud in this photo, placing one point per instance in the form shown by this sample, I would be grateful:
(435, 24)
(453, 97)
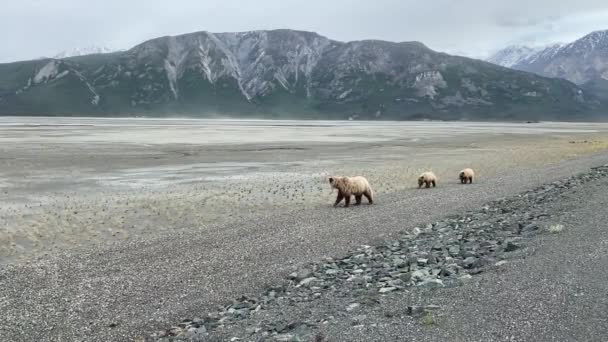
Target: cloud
(524, 21)
(29, 29)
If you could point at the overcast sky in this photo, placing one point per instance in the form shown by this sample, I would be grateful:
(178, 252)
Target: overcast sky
(34, 28)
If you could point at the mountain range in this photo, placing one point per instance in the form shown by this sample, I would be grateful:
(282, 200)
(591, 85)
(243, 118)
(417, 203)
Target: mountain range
(584, 61)
(287, 74)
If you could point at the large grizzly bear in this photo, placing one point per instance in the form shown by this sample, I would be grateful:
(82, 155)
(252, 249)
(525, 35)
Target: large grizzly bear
(427, 178)
(349, 186)
(466, 175)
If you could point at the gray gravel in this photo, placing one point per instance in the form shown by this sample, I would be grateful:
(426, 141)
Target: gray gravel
(132, 289)
(354, 297)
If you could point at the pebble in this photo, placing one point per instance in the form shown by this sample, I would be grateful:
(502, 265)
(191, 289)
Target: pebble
(352, 306)
(307, 281)
(387, 289)
(431, 283)
(510, 247)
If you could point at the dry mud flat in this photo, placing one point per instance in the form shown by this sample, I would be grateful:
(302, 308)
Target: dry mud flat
(80, 182)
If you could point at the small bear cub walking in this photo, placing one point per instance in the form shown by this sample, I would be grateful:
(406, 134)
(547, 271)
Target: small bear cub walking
(427, 178)
(466, 175)
(349, 186)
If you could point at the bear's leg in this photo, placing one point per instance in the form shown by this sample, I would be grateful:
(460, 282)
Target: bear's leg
(434, 185)
(346, 201)
(368, 195)
(358, 199)
(463, 180)
(427, 184)
(470, 180)
(339, 198)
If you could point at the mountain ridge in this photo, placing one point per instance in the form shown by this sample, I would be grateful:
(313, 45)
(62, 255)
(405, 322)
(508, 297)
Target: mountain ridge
(580, 61)
(285, 74)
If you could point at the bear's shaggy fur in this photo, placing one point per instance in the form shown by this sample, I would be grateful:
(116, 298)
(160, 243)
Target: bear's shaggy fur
(427, 178)
(349, 186)
(466, 175)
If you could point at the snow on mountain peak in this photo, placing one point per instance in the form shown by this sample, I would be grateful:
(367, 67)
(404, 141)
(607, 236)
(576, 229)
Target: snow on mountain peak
(512, 55)
(590, 42)
(515, 55)
(89, 50)
(580, 61)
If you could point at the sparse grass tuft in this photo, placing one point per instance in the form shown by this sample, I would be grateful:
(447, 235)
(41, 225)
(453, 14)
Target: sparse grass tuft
(428, 319)
(555, 228)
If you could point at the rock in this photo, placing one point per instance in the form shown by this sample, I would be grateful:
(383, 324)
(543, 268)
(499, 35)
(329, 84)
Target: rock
(396, 283)
(242, 312)
(387, 289)
(454, 250)
(469, 254)
(415, 310)
(511, 246)
(174, 331)
(352, 306)
(419, 274)
(406, 277)
(488, 243)
(242, 305)
(280, 327)
(530, 229)
(303, 274)
(199, 333)
(285, 338)
(301, 331)
(307, 281)
(445, 272)
(500, 263)
(471, 262)
(465, 277)
(359, 319)
(398, 262)
(431, 283)
(369, 299)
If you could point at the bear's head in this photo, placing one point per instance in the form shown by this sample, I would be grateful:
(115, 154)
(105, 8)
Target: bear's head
(336, 181)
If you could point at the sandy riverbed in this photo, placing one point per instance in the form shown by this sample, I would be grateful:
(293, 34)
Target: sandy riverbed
(74, 182)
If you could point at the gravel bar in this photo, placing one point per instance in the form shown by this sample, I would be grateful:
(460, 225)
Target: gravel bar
(445, 254)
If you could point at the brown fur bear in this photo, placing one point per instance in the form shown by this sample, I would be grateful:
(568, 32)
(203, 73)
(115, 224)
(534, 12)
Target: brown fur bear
(466, 175)
(349, 186)
(427, 178)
